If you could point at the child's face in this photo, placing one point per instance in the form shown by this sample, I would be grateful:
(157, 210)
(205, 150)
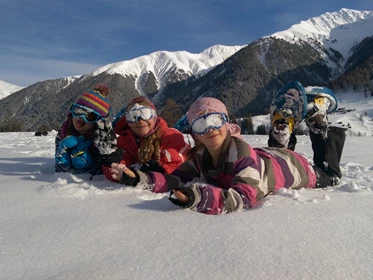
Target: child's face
(142, 127)
(213, 138)
(81, 126)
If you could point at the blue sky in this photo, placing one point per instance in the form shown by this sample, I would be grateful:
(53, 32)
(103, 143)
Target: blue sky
(48, 39)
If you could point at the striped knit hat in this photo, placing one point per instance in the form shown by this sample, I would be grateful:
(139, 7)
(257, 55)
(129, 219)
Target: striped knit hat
(96, 100)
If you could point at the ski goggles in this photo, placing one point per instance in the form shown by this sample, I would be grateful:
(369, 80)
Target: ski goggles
(138, 112)
(204, 123)
(81, 112)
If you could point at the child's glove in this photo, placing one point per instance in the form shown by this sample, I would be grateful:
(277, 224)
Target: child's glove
(63, 153)
(129, 181)
(63, 162)
(152, 165)
(105, 139)
(67, 143)
(187, 191)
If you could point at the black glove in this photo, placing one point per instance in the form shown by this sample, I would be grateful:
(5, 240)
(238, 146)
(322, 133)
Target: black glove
(107, 160)
(188, 192)
(152, 165)
(129, 181)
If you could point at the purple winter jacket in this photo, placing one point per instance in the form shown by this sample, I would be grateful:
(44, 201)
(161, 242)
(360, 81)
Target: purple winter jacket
(244, 175)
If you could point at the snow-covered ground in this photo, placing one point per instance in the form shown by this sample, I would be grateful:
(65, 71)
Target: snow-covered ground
(61, 226)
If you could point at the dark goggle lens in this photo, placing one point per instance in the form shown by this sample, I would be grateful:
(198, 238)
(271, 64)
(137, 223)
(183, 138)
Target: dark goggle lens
(87, 116)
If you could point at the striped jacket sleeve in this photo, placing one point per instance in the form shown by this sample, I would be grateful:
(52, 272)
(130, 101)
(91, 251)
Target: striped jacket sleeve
(245, 186)
(163, 182)
(245, 189)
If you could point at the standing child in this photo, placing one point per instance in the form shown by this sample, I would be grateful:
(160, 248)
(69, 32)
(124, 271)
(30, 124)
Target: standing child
(86, 142)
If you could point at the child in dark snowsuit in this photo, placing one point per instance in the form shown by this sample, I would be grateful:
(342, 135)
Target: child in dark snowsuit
(327, 141)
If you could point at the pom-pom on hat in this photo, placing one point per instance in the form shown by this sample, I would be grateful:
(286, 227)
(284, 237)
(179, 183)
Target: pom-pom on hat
(103, 89)
(95, 100)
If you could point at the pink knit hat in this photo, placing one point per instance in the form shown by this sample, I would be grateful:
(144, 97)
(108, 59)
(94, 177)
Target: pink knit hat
(206, 105)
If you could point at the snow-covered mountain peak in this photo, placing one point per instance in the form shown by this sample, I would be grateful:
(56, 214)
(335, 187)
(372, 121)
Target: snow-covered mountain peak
(160, 63)
(324, 24)
(221, 50)
(339, 31)
(7, 89)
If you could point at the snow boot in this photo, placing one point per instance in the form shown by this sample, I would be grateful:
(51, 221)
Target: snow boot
(287, 110)
(327, 154)
(320, 102)
(281, 135)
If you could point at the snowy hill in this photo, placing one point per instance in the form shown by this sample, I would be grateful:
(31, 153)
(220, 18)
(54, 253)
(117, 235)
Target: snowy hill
(7, 89)
(357, 111)
(338, 31)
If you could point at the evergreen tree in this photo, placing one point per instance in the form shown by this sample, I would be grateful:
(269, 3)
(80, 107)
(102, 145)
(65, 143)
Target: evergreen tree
(247, 126)
(11, 125)
(44, 127)
(261, 130)
(171, 112)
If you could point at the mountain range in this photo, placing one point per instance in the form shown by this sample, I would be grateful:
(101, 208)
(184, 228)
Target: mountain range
(333, 49)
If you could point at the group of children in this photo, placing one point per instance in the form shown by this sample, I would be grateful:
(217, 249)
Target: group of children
(221, 173)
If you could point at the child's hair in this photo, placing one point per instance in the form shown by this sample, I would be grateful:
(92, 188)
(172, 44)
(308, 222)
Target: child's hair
(150, 145)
